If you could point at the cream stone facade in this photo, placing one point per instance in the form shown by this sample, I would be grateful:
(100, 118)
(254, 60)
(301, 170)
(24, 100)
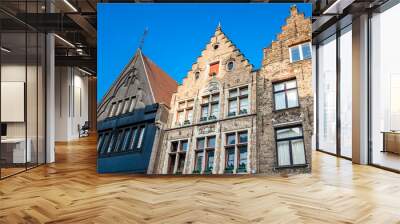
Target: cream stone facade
(227, 117)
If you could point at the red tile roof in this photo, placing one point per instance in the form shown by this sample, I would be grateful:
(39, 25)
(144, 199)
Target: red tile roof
(161, 84)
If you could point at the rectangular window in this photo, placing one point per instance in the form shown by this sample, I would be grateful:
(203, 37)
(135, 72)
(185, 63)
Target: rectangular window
(209, 107)
(236, 147)
(300, 52)
(141, 135)
(238, 102)
(112, 110)
(132, 104)
(285, 95)
(210, 160)
(290, 146)
(126, 106)
(178, 149)
(184, 114)
(198, 161)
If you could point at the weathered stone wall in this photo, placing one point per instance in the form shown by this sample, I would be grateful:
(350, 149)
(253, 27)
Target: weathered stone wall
(196, 87)
(277, 67)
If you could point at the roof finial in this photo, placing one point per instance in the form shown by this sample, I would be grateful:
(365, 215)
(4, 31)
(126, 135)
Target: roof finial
(219, 25)
(146, 30)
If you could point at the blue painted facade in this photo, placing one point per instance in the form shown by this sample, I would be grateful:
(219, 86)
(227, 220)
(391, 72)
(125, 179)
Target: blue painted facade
(123, 159)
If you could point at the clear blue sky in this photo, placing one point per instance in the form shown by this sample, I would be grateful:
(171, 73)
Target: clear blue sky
(179, 32)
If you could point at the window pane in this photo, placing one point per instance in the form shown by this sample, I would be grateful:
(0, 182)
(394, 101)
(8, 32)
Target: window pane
(214, 110)
(233, 93)
(120, 107)
(230, 158)
(280, 102)
(119, 141)
(105, 144)
(181, 117)
(211, 142)
(306, 50)
(181, 162)
(242, 157)
(198, 160)
(215, 97)
(112, 110)
(133, 139)
(230, 139)
(295, 53)
(181, 105)
(100, 142)
(291, 84)
(126, 106)
(283, 153)
(200, 143)
(171, 164)
(205, 99)
(141, 137)
(232, 107)
(289, 133)
(244, 91)
(126, 140)
(132, 106)
(184, 146)
(204, 111)
(298, 152)
(244, 105)
(243, 137)
(189, 114)
(279, 87)
(292, 99)
(174, 146)
(210, 160)
(112, 142)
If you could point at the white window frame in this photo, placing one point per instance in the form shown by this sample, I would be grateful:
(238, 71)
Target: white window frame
(300, 51)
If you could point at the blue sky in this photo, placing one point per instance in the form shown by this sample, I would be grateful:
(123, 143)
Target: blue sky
(177, 33)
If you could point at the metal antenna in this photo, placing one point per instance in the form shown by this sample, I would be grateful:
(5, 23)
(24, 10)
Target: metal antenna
(146, 30)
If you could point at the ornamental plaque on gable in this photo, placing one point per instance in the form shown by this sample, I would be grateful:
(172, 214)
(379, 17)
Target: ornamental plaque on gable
(206, 129)
(212, 87)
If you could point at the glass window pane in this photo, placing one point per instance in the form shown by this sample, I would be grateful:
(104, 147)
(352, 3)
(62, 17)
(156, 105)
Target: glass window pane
(210, 160)
(189, 115)
(242, 157)
(181, 117)
(306, 50)
(181, 162)
(298, 152)
(244, 91)
(174, 146)
(120, 107)
(112, 109)
(327, 95)
(171, 165)
(200, 143)
(283, 153)
(292, 99)
(133, 139)
(204, 111)
(211, 142)
(132, 105)
(243, 137)
(280, 102)
(126, 106)
(295, 53)
(214, 110)
(279, 87)
(233, 93)
(291, 84)
(230, 139)
(184, 146)
(215, 97)
(289, 133)
(139, 145)
(244, 105)
(205, 99)
(126, 140)
(199, 161)
(230, 158)
(232, 107)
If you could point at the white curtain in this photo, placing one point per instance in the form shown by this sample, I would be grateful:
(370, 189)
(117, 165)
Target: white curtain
(298, 152)
(283, 153)
(292, 98)
(280, 101)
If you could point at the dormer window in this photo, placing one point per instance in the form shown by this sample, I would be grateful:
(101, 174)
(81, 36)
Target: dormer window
(214, 69)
